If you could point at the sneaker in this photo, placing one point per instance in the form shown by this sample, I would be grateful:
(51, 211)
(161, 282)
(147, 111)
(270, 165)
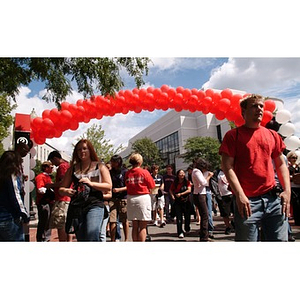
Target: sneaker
(211, 236)
(181, 235)
(163, 224)
(155, 223)
(228, 231)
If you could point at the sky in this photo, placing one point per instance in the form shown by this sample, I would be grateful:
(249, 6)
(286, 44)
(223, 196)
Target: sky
(223, 41)
(272, 77)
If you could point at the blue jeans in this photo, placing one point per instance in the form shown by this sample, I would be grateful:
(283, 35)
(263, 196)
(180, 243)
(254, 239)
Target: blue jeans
(209, 208)
(90, 225)
(267, 214)
(102, 237)
(11, 230)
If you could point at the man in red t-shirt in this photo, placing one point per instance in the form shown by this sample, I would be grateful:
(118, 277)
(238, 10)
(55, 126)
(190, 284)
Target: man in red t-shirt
(247, 153)
(44, 201)
(60, 209)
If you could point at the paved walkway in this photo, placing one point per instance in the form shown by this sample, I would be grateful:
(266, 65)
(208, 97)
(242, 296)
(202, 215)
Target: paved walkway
(169, 234)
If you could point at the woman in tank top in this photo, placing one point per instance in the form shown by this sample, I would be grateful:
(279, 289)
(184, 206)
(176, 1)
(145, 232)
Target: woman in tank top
(85, 168)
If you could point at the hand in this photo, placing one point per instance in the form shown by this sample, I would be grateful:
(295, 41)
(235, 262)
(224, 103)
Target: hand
(85, 180)
(285, 201)
(69, 192)
(243, 206)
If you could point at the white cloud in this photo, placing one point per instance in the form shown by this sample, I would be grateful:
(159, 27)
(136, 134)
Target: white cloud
(273, 77)
(180, 63)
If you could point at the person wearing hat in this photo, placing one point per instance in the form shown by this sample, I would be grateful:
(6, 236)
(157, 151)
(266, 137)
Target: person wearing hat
(44, 200)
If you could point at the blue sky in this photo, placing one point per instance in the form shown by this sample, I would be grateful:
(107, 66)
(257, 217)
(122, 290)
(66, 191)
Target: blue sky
(274, 77)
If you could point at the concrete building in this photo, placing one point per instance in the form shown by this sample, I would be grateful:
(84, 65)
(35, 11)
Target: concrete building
(172, 130)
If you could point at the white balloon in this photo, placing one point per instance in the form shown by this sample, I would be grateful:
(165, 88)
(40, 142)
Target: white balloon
(283, 116)
(287, 129)
(32, 163)
(31, 186)
(33, 152)
(31, 174)
(292, 142)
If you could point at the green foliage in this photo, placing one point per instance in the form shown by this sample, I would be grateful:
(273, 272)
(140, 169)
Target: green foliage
(6, 120)
(102, 146)
(149, 151)
(90, 74)
(205, 147)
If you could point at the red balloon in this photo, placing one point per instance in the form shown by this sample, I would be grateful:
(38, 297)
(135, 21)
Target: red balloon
(180, 89)
(128, 94)
(54, 114)
(150, 89)
(37, 122)
(135, 91)
(201, 94)
(220, 115)
(178, 98)
(235, 99)
(171, 93)
(40, 140)
(64, 105)
(227, 93)
(224, 104)
(207, 102)
(149, 97)
(157, 93)
(267, 117)
(46, 113)
(142, 94)
(209, 93)
(187, 93)
(164, 88)
(269, 105)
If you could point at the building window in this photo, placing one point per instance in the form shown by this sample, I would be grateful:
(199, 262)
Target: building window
(219, 133)
(169, 148)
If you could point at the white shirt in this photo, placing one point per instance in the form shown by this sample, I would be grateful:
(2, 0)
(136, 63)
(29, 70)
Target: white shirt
(199, 182)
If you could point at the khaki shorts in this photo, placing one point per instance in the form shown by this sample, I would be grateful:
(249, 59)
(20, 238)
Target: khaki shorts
(59, 214)
(118, 207)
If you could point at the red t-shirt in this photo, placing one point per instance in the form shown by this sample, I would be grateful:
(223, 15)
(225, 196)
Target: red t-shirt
(253, 150)
(60, 173)
(40, 181)
(177, 189)
(138, 181)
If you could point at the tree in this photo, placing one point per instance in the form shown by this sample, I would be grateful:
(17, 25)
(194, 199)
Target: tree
(205, 147)
(90, 74)
(6, 120)
(103, 148)
(149, 151)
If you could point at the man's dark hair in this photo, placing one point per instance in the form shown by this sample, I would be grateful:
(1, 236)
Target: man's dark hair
(54, 154)
(118, 159)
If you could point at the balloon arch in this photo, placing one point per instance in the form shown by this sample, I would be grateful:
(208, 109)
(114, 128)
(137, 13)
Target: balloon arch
(223, 104)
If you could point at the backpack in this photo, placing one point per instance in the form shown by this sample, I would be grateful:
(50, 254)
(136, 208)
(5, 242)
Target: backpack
(213, 184)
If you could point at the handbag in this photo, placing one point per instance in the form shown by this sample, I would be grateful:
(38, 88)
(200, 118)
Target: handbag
(296, 178)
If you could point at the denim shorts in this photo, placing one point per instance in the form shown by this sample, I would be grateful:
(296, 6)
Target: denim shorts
(267, 222)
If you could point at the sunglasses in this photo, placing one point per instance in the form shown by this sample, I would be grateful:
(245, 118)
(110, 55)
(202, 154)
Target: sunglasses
(293, 157)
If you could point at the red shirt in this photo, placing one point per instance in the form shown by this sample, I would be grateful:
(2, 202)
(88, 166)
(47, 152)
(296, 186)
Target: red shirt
(60, 173)
(40, 181)
(138, 181)
(253, 150)
(176, 189)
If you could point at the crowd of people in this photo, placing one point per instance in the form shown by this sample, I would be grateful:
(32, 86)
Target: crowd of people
(253, 190)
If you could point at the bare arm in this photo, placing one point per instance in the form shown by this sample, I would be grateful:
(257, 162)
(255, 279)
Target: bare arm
(284, 179)
(242, 200)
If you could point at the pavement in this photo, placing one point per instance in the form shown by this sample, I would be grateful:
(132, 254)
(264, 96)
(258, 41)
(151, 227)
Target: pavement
(169, 233)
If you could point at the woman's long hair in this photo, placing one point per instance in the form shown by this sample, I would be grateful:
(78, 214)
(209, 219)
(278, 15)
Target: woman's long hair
(10, 164)
(176, 181)
(93, 154)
